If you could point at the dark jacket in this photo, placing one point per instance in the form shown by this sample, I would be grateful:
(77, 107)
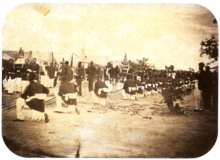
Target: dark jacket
(10, 70)
(201, 76)
(68, 72)
(51, 72)
(24, 71)
(31, 90)
(113, 72)
(67, 87)
(138, 83)
(35, 67)
(80, 74)
(208, 81)
(127, 84)
(99, 85)
(91, 73)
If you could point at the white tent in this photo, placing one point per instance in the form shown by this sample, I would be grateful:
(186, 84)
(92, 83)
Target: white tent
(5, 56)
(44, 56)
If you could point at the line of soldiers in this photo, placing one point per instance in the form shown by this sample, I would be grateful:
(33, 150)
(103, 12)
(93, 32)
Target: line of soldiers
(153, 81)
(19, 70)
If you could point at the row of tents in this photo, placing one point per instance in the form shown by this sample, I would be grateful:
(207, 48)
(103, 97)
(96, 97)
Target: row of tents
(41, 57)
(50, 58)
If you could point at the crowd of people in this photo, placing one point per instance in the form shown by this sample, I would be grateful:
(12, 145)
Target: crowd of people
(35, 80)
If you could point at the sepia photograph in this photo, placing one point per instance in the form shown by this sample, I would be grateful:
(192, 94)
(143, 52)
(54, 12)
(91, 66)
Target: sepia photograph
(109, 80)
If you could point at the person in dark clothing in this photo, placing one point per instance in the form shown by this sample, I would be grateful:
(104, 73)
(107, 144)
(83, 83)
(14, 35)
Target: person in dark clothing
(129, 89)
(207, 88)
(67, 71)
(138, 84)
(24, 70)
(201, 76)
(80, 76)
(91, 74)
(51, 71)
(113, 74)
(99, 85)
(68, 94)
(35, 68)
(10, 69)
(33, 97)
(100, 92)
(117, 73)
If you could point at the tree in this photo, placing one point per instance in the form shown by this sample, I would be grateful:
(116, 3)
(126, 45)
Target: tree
(210, 48)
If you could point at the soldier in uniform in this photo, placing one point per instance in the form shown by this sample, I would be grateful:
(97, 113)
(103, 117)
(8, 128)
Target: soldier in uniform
(91, 74)
(51, 71)
(67, 94)
(127, 90)
(25, 70)
(139, 86)
(66, 70)
(80, 76)
(10, 69)
(201, 76)
(35, 68)
(100, 91)
(33, 97)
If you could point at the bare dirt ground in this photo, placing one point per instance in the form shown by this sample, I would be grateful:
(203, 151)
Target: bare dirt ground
(120, 129)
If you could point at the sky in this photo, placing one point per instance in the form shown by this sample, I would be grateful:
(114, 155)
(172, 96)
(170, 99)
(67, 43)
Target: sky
(164, 33)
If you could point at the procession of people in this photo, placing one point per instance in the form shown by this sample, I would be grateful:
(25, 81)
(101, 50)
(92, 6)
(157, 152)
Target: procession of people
(34, 80)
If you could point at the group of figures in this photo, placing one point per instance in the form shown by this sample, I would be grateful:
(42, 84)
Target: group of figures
(35, 81)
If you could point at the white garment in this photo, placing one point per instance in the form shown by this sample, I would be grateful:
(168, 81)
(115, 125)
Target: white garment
(5, 84)
(11, 86)
(59, 108)
(36, 115)
(147, 93)
(198, 97)
(127, 96)
(18, 85)
(109, 85)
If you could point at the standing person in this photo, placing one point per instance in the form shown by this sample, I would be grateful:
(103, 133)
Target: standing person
(207, 89)
(80, 76)
(33, 96)
(10, 69)
(67, 94)
(113, 74)
(46, 66)
(35, 68)
(25, 70)
(91, 74)
(201, 85)
(117, 72)
(51, 71)
(56, 66)
(51, 74)
(66, 70)
(11, 74)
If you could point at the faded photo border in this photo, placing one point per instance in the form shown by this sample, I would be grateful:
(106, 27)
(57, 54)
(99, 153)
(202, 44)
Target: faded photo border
(169, 37)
